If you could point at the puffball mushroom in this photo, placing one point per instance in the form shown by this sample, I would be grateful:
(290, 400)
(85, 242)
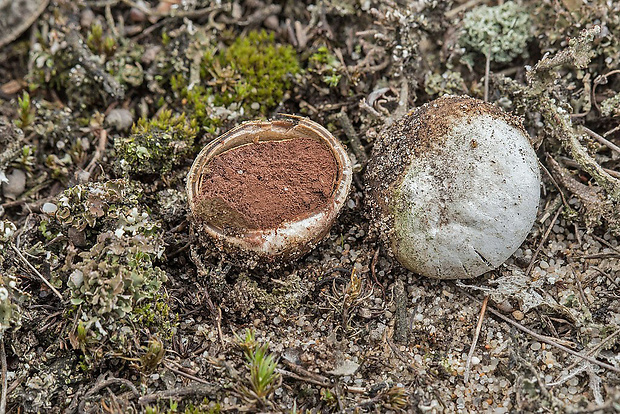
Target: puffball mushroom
(267, 192)
(453, 187)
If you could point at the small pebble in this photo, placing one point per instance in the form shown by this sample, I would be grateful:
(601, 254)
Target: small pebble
(86, 18)
(272, 22)
(120, 119)
(136, 15)
(49, 208)
(15, 186)
(518, 315)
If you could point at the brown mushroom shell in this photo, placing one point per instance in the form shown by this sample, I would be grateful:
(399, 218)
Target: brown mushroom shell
(289, 240)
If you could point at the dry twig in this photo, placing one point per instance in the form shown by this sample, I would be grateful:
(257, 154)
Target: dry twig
(103, 384)
(356, 144)
(602, 140)
(542, 241)
(476, 335)
(4, 375)
(34, 269)
(198, 390)
(542, 338)
(173, 12)
(185, 374)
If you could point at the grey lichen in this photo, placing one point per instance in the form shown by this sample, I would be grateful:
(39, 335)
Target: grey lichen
(611, 106)
(448, 83)
(10, 295)
(501, 32)
(113, 280)
(247, 294)
(558, 123)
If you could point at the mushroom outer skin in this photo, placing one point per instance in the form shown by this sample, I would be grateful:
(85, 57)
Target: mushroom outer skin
(269, 248)
(453, 187)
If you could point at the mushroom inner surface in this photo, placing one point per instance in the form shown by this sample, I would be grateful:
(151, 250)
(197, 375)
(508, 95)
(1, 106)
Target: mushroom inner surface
(261, 185)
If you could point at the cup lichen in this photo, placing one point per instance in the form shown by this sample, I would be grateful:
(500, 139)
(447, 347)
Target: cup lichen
(113, 282)
(502, 32)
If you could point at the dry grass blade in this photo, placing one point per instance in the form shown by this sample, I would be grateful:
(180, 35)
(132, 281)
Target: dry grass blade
(4, 375)
(543, 338)
(542, 241)
(475, 341)
(34, 269)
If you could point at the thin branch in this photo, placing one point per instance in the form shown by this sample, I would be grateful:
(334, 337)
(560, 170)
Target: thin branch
(4, 375)
(198, 390)
(354, 140)
(574, 164)
(34, 269)
(542, 241)
(461, 8)
(542, 338)
(185, 374)
(306, 375)
(487, 70)
(602, 140)
(101, 144)
(590, 352)
(173, 13)
(476, 335)
(103, 384)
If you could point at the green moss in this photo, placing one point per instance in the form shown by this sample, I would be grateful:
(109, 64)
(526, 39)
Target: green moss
(156, 146)
(25, 113)
(99, 43)
(501, 31)
(258, 70)
(326, 65)
(251, 74)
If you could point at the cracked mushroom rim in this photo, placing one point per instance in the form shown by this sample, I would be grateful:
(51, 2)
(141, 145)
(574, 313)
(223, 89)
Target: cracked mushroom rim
(289, 239)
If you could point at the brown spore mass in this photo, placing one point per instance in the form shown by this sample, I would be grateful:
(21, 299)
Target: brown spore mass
(264, 184)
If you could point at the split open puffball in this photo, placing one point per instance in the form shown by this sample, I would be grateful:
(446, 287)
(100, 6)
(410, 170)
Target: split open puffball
(453, 187)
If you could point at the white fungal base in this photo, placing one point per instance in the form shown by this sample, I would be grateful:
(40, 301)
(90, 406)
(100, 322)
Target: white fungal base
(463, 211)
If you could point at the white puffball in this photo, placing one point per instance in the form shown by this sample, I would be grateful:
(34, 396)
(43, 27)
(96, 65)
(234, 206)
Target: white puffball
(454, 188)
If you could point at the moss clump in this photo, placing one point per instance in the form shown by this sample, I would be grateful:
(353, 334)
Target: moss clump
(252, 73)
(156, 146)
(502, 32)
(258, 70)
(327, 65)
